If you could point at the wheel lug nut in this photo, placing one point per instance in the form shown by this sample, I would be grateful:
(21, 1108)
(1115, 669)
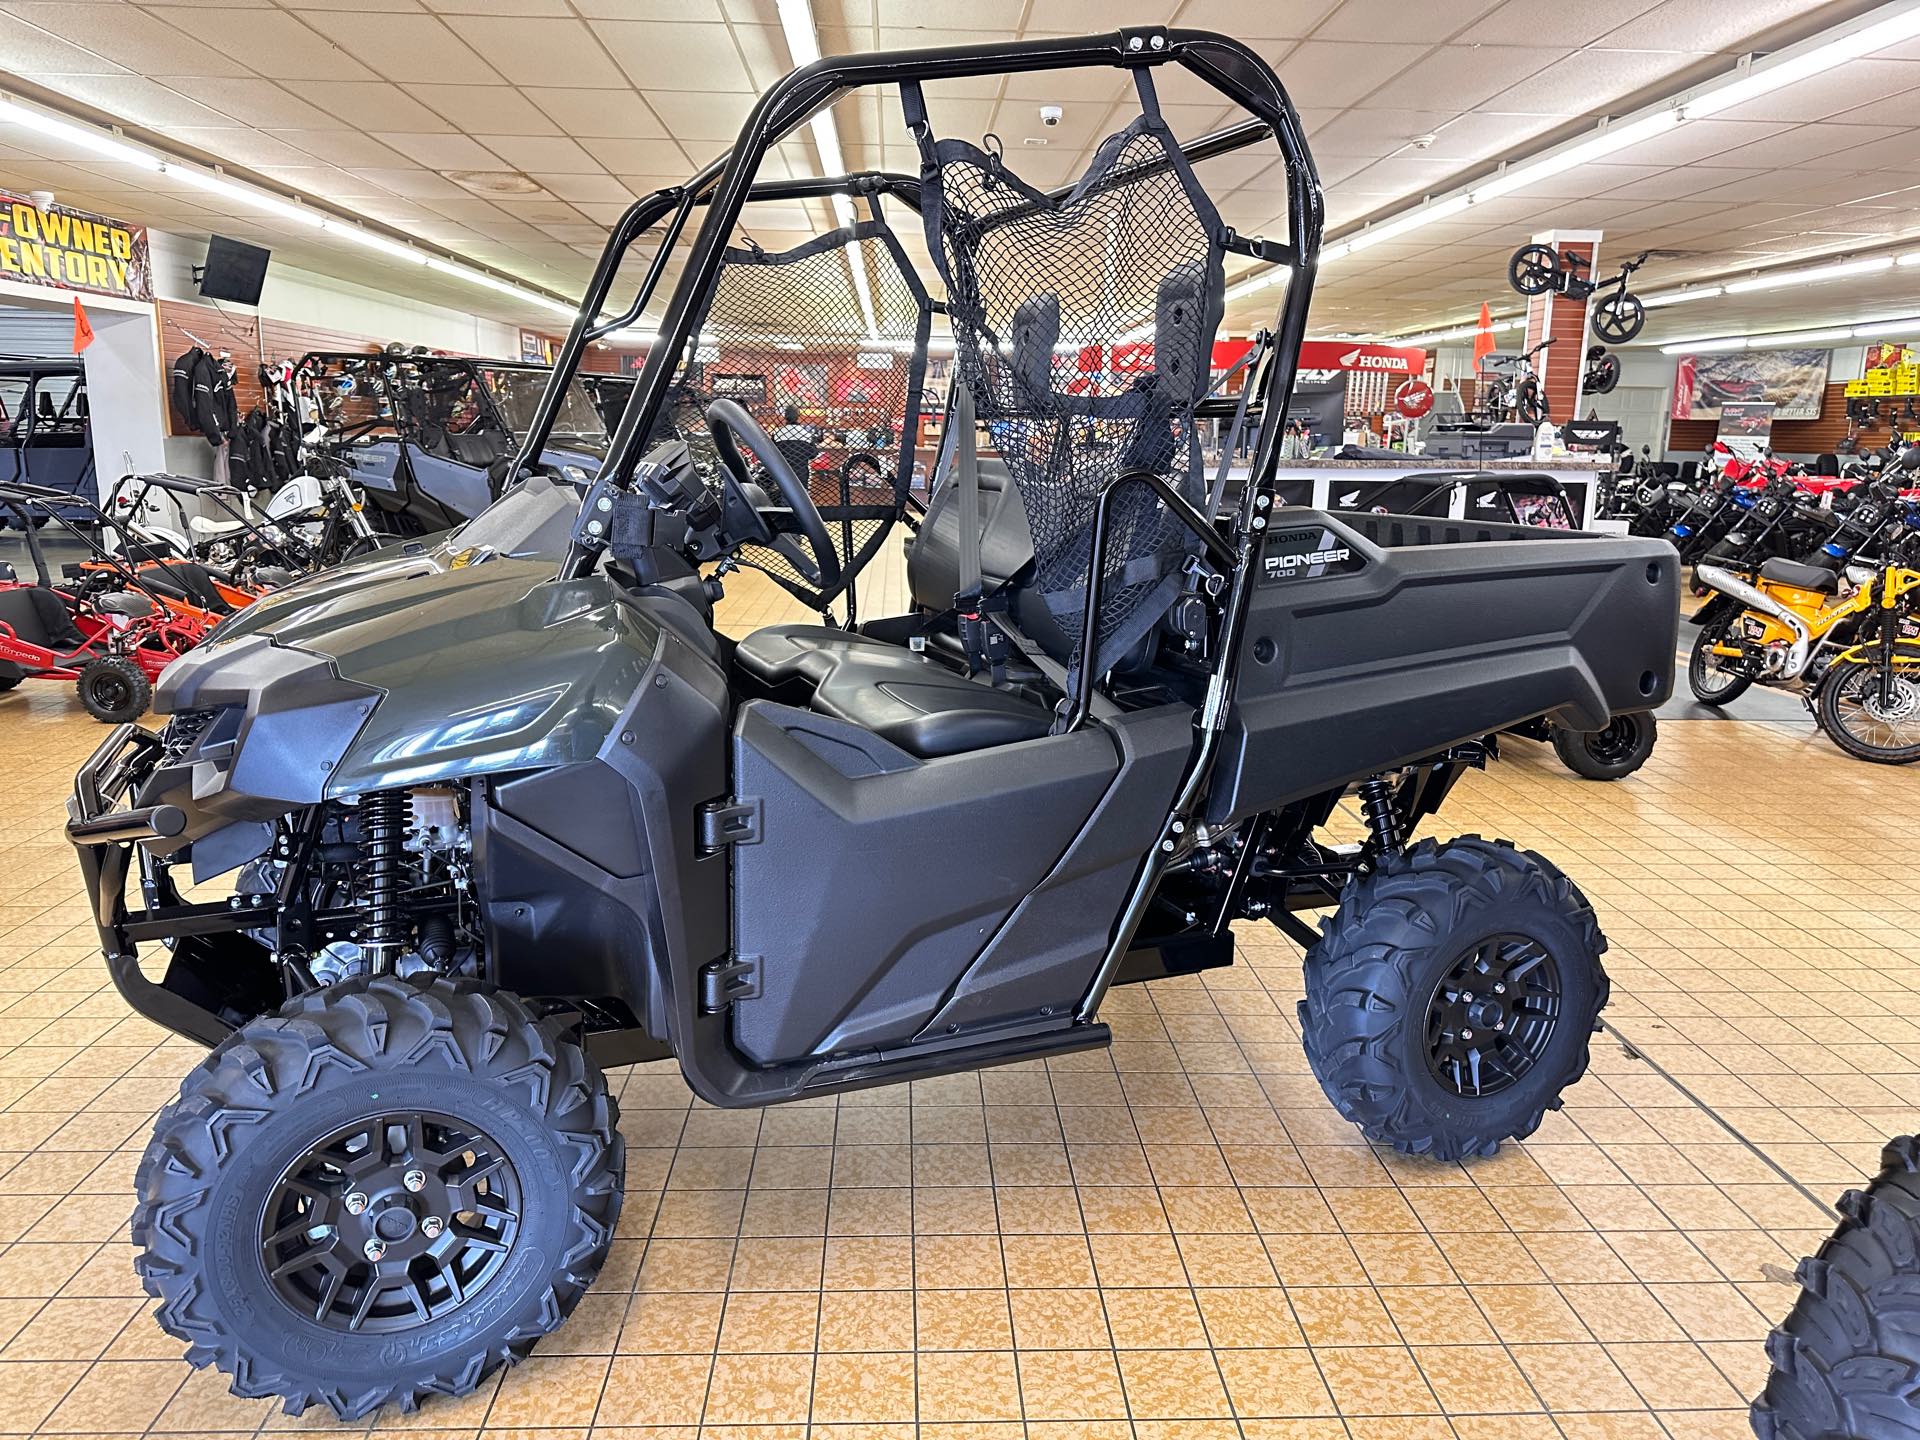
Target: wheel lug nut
(414, 1180)
(1467, 995)
(375, 1249)
(355, 1202)
(1500, 989)
(1466, 1034)
(432, 1226)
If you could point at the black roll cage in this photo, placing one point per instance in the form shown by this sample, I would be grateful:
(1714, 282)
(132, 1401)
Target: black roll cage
(726, 184)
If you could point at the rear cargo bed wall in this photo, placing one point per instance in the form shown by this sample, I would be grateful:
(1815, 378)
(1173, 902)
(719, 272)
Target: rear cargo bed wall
(1387, 655)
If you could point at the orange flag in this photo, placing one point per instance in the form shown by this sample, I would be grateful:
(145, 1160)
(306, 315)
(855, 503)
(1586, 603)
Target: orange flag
(82, 328)
(1483, 336)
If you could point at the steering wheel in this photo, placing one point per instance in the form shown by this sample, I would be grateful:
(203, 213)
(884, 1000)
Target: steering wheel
(733, 430)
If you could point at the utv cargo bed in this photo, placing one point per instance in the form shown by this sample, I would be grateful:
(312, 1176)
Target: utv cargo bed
(1375, 639)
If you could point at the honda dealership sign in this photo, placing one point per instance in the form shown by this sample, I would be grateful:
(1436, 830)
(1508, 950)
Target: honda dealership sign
(1398, 360)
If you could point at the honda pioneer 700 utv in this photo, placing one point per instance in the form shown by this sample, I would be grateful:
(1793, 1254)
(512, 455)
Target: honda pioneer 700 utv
(475, 819)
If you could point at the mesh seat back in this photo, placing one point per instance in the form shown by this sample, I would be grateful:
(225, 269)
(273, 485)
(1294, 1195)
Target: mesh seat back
(1083, 325)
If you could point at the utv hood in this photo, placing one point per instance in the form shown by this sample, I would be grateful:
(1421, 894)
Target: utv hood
(486, 667)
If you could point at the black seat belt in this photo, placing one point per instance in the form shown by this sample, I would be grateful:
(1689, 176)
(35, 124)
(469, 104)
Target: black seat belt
(984, 642)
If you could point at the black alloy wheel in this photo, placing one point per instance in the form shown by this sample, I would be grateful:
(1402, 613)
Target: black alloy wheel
(391, 1222)
(1493, 1015)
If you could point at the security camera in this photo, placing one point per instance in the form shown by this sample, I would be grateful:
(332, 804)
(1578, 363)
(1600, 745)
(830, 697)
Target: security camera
(1051, 115)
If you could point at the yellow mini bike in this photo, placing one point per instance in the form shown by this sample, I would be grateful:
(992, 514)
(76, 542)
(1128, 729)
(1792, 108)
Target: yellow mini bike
(1848, 641)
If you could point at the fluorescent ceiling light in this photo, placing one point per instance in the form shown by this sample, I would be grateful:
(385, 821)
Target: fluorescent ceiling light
(1681, 297)
(1582, 152)
(1889, 25)
(1840, 271)
(1705, 347)
(109, 146)
(1806, 337)
(803, 48)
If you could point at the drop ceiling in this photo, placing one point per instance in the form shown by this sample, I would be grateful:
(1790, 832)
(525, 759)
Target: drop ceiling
(406, 111)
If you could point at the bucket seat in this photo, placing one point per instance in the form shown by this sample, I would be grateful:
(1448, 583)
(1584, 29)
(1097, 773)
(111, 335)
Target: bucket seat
(914, 699)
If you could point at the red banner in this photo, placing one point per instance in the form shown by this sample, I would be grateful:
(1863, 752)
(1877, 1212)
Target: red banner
(1357, 355)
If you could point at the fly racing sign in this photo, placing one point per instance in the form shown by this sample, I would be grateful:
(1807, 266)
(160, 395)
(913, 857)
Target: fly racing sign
(69, 250)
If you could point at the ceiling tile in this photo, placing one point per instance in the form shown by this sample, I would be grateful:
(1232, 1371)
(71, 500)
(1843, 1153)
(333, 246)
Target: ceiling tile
(673, 56)
(440, 152)
(542, 52)
(132, 38)
(611, 114)
(474, 108)
(543, 154)
(411, 47)
(271, 42)
(370, 105)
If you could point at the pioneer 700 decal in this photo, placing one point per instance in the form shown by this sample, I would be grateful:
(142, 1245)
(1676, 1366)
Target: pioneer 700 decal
(1305, 554)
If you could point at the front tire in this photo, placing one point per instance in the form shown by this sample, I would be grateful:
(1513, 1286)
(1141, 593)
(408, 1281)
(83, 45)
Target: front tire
(1608, 754)
(1860, 722)
(1846, 1360)
(387, 1190)
(1707, 676)
(1450, 997)
(114, 689)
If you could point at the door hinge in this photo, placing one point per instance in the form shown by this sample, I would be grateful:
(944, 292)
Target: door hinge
(725, 981)
(728, 822)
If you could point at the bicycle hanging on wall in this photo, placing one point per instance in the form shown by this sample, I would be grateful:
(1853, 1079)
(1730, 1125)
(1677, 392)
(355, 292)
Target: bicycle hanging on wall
(1540, 269)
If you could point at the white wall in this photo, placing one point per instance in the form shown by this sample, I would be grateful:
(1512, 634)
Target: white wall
(305, 298)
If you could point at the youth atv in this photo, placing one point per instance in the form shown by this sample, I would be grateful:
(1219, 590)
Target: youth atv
(473, 823)
(106, 629)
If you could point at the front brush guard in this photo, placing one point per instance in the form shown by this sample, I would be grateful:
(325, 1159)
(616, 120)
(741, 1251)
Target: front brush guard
(106, 838)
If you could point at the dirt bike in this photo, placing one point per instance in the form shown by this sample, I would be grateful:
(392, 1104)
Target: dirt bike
(1539, 269)
(1846, 639)
(494, 812)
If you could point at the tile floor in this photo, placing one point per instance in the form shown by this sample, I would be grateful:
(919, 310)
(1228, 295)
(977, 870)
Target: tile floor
(1174, 1240)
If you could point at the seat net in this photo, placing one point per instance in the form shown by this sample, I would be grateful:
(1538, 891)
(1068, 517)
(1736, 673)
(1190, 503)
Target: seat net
(825, 345)
(1083, 325)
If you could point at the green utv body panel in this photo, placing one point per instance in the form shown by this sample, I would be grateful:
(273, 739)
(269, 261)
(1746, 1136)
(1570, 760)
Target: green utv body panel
(488, 668)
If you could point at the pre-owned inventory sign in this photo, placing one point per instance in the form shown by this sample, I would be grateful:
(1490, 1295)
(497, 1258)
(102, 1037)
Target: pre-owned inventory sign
(70, 250)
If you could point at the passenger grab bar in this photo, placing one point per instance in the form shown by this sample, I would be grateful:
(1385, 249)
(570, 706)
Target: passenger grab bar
(1080, 702)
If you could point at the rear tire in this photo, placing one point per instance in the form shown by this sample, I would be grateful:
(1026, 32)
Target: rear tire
(1846, 1360)
(114, 689)
(1532, 269)
(1390, 1004)
(1849, 698)
(1711, 685)
(1609, 754)
(499, 1115)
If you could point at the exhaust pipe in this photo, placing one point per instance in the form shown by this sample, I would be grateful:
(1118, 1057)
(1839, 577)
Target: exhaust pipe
(1727, 583)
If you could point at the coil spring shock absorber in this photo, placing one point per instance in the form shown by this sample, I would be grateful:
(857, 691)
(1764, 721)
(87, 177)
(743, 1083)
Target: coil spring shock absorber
(385, 817)
(1376, 803)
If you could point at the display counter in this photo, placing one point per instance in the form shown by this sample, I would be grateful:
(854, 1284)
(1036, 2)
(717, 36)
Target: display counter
(1402, 482)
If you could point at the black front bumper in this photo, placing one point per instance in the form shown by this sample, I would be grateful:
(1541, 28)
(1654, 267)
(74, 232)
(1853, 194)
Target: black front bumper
(106, 835)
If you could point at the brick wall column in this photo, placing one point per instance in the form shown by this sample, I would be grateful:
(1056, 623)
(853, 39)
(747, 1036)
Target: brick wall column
(1565, 320)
